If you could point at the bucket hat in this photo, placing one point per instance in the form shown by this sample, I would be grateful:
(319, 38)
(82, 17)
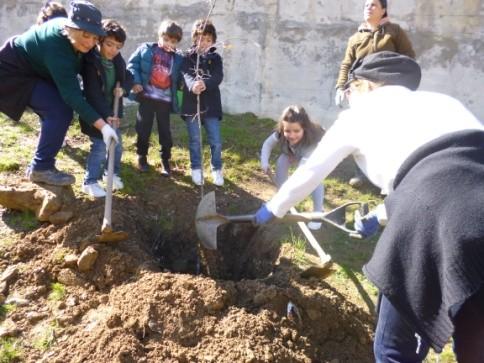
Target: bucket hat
(85, 16)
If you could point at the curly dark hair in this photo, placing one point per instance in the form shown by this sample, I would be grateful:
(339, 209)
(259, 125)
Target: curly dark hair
(51, 10)
(114, 29)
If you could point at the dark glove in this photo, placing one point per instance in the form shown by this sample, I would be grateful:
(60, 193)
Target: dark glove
(263, 216)
(367, 225)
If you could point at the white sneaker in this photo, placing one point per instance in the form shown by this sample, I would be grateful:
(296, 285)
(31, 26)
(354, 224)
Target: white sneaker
(218, 178)
(94, 190)
(314, 225)
(197, 176)
(117, 182)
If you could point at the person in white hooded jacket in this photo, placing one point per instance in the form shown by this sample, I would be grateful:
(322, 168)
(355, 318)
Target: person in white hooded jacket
(426, 151)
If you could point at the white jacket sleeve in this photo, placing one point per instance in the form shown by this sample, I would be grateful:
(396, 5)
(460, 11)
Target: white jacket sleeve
(331, 150)
(266, 150)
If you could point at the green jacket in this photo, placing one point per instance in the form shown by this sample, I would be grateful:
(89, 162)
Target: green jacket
(388, 36)
(51, 56)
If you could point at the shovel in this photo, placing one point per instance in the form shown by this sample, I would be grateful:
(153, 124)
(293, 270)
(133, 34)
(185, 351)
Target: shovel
(107, 233)
(322, 268)
(207, 220)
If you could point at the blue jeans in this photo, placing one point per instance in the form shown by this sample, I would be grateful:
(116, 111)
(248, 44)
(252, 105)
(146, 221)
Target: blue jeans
(212, 127)
(55, 118)
(97, 159)
(397, 342)
(282, 173)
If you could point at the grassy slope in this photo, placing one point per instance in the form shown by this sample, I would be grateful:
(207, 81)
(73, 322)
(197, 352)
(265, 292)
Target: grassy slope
(242, 136)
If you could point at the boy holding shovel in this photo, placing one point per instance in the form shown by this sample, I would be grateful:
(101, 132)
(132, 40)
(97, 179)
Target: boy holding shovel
(102, 69)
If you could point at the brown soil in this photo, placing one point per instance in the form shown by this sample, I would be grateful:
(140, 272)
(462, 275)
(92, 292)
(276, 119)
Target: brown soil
(159, 297)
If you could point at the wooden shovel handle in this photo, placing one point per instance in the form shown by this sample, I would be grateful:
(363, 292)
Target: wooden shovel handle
(323, 256)
(106, 227)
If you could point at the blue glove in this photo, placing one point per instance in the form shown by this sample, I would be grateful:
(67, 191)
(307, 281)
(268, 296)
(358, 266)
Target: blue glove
(367, 225)
(263, 216)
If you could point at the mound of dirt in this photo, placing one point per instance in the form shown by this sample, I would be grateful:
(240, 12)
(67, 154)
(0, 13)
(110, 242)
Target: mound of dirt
(183, 318)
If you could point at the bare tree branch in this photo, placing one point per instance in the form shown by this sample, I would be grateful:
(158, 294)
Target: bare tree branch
(199, 76)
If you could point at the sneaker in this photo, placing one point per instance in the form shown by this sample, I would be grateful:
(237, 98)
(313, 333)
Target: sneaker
(218, 178)
(166, 170)
(142, 163)
(314, 225)
(94, 190)
(197, 176)
(117, 182)
(356, 182)
(50, 176)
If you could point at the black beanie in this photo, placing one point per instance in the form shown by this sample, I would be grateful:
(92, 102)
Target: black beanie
(387, 67)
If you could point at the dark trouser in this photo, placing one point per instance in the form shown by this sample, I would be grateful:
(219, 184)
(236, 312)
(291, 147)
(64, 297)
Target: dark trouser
(469, 330)
(55, 117)
(397, 342)
(147, 111)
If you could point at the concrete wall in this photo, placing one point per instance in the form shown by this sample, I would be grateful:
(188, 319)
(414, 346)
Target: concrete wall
(278, 52)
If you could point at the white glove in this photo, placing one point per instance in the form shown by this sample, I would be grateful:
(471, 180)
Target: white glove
(339, 97)
(108, 134)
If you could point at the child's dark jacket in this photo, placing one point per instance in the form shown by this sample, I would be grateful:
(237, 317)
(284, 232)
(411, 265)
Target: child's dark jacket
(94, 81)
(211, 66)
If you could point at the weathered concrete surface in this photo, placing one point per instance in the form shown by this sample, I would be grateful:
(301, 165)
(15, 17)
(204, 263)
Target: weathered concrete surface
(279, 52)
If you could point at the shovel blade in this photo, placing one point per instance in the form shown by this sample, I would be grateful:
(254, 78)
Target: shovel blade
(207, 221)
(111, 236)
(321, 271)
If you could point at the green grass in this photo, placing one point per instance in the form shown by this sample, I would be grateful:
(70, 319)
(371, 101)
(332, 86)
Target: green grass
(10, 350)
(44, 336)
(58, 292)
(6, 242)
(59, 254)
(5, 309)
(22, 221)
(447, 356)
(298, 244)
(15, 151)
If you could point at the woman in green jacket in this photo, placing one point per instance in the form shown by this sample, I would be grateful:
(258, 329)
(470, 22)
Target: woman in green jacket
(39, 70)
(375, 34)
